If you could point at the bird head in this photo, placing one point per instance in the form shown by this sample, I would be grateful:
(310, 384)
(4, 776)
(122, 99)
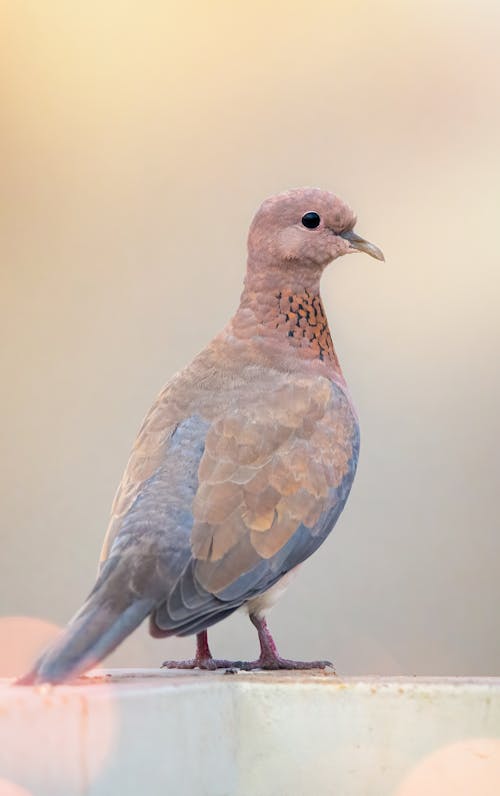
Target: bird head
(307, 226)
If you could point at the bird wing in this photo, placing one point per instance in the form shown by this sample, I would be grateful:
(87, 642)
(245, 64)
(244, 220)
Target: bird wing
(273, 477)
(226, 491)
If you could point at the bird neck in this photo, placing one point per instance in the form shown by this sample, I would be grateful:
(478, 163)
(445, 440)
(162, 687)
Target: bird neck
(284, 310)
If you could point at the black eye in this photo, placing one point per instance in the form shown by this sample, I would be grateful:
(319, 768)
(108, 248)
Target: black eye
(311, 220)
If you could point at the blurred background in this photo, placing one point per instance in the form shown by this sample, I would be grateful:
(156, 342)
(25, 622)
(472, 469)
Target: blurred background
(137, 140)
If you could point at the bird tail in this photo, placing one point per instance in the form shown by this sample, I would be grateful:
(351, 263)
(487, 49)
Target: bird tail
(112, 611)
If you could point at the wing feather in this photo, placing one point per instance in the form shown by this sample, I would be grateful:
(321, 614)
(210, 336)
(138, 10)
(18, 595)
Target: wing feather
(273, 478)
(228, 499)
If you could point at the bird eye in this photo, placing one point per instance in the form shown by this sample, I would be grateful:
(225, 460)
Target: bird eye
(311, 220)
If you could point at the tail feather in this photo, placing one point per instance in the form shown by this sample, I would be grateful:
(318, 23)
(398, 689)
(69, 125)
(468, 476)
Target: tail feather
(96, 630)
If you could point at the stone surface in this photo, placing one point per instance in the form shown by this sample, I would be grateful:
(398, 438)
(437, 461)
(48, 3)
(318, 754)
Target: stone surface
(252, 734)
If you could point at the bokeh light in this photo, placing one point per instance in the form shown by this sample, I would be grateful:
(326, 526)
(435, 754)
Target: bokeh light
(46, 732)
(11, 789)
(466, 768)
(22, 639)
(59, 737)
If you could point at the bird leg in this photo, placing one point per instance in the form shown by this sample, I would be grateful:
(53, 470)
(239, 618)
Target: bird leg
(269, 657)
(202, 660)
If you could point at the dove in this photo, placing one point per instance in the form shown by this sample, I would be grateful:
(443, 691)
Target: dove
(241, 467)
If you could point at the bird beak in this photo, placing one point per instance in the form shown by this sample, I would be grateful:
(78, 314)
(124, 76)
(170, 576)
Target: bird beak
(362, 245)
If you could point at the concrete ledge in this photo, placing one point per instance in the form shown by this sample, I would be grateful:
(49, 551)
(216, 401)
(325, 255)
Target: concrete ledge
(250, 734)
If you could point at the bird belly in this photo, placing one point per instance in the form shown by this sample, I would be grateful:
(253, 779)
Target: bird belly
(259, 605)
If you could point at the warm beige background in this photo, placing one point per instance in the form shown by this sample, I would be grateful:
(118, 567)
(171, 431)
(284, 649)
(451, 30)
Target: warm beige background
(137, 140)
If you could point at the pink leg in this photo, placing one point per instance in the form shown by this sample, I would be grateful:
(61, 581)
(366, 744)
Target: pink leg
(269, 657)
(202, 659)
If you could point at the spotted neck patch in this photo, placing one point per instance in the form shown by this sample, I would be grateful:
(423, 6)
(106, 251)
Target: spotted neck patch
(302, 317)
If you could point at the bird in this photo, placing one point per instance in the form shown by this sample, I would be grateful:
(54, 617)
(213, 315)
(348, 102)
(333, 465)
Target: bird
(242, 465)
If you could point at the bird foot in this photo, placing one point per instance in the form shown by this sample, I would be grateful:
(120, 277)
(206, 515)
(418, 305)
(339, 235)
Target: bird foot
(210, 664)
(269, 659)
(273, 663)
(267, 663)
